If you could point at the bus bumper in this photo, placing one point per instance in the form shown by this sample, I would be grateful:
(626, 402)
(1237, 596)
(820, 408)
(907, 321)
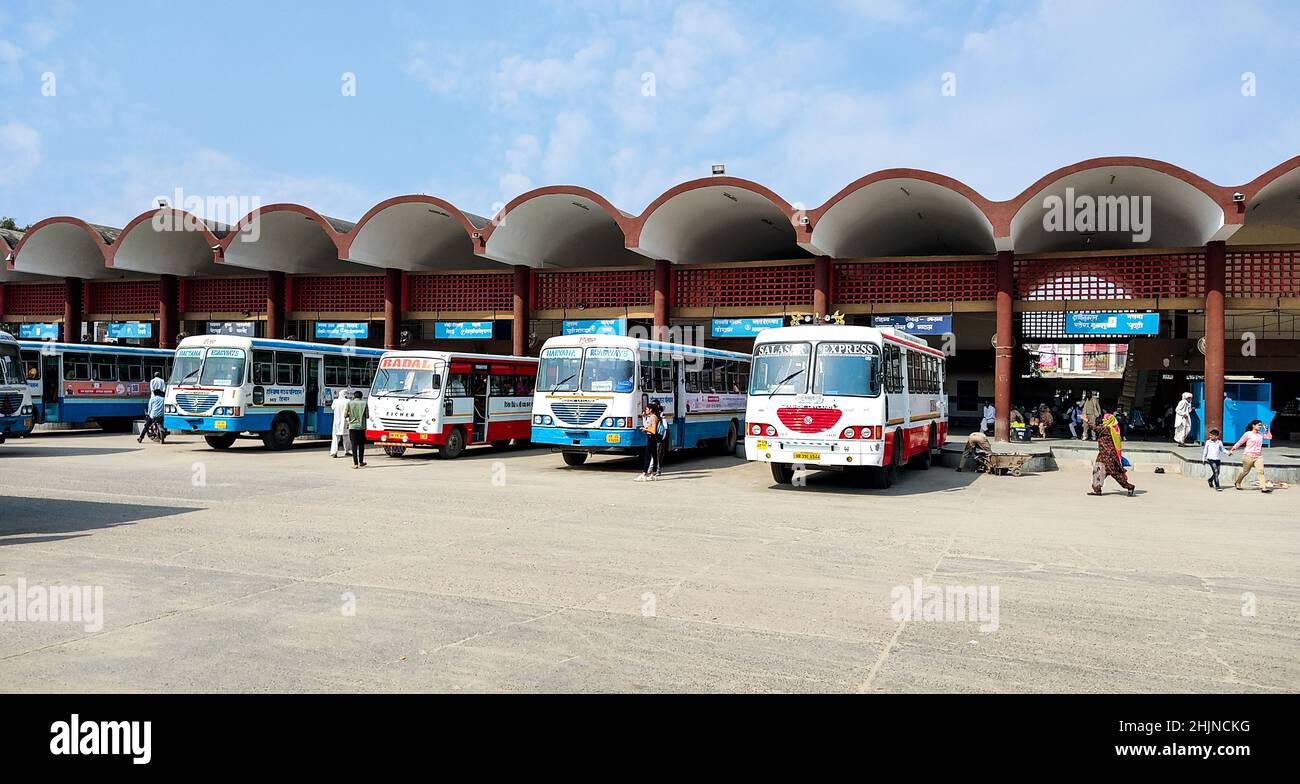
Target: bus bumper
(809, 452)
(594, 440)
(177, 423)
(404, 438)
(16, 425)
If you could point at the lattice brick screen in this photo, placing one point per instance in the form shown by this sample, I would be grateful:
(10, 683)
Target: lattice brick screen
(33, 299)
(363, 293)
(460, 292)
(1111, 277)
(744, 286)
(223, 295)
(915, 281)
(595, 289)
(1263, 274)
(122, 296)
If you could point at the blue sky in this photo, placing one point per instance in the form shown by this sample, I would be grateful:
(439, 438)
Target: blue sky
(479, 102)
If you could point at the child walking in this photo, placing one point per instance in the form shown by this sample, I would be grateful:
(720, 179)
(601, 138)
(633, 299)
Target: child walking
(1212, 454)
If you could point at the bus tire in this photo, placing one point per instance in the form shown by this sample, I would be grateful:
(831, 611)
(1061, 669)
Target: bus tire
(727, 446)
(925, 459)
(280, 436)
(453, 446)
(574, 459)
(394, 451)
(783, 473)
(223, 441)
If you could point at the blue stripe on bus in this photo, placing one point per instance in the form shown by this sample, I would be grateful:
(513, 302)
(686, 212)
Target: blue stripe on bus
(93, 348)
(14, 425)
(256, 423)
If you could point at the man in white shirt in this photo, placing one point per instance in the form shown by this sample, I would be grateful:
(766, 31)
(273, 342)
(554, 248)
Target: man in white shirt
(156, 384)
(990, 413)
(340, 442)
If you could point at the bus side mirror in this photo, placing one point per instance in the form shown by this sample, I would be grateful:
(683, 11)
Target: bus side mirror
(259, 396)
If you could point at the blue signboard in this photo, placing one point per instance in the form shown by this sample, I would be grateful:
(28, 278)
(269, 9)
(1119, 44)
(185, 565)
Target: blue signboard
(342, 330)
(1112, 323)
(743, 327)
(916, 325)
(244, 329)
(130, 329)
(615, 326)
(463, 330)
(38, 331)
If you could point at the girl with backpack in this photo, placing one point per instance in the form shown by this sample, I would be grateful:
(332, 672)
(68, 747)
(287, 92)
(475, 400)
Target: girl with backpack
(654, 434)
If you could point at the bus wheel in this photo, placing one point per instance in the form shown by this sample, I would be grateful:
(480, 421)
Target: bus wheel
(783, 473)
(281, 434)
(891, 470)
(924, 460)
(394, 451)
(454, 445)
(574, 458)
(224, 441)
(727, 446)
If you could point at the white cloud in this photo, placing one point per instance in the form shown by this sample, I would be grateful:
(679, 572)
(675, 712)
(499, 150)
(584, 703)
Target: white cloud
(518, 77)
(20, 152)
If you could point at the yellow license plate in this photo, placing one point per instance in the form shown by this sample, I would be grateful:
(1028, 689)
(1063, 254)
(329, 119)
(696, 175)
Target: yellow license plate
(396, 436)
(220, 424)
(612, 438)
(760, 444)
(808, 456)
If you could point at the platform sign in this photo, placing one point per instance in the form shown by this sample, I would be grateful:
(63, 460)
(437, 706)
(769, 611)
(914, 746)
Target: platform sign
(615, 326)
(463, 330)
(130, 330)
(1112, 323)
(916, 325)
(342, 330)
(243, 329)
(38, 331)
(743, 327)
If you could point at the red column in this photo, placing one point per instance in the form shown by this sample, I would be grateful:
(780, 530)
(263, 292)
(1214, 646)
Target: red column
(662, 298)
(1215, 264)
(520, 307)
(168, 311)
(822, 285)
(1002, 348)
(392, 308)
(2, 300)
(73, 289)
(275, 304)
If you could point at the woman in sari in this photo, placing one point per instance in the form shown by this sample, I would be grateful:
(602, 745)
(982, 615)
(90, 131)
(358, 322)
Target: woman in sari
(1110, 456)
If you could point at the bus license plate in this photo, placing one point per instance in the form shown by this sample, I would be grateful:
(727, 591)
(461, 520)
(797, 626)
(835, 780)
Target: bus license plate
(760, 444)
(395, 436)
(220, 424)
(612, 438)
(808, 456)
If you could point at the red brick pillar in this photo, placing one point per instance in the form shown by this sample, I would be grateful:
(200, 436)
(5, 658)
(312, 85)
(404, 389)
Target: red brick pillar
(275, 304)
(520, 311)
(1215, 277)
(392, 308)
(663, 298)
(73, 290)
(1003, 347)
(168, 311)
(822, 285)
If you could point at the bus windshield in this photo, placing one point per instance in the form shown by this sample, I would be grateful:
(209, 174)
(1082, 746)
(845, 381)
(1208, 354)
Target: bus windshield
(608, 369)
(11, 366)
(780, 369)
(224, 367)
(558, 370)
(407, 382)
(185, 369)
(850, 368)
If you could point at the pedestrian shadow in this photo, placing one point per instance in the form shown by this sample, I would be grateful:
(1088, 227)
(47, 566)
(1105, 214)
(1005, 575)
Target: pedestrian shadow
(23, 515)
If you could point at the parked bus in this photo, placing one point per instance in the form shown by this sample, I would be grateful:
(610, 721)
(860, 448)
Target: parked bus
(853, 398)
(449, 401)
(91, 382)
(16, 414)
(591, 390)
(222, 386)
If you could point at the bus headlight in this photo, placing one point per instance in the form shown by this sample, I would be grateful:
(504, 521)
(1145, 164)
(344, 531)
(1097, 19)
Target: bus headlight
(542, 419)
(25, 411)
(169, 409)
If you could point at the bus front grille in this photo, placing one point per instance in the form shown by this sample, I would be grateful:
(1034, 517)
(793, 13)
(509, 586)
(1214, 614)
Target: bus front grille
(399, 424)
(578, 413)
(195, 402)
(10, 402)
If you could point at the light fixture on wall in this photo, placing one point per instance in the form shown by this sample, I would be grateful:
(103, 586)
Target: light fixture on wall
(719, 168)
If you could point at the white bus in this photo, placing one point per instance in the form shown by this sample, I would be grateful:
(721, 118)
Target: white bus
(591, 390)
(16, 415)
(448, 400)
(853, 398)
(223, 385)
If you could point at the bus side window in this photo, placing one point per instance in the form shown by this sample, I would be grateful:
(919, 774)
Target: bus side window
(336, 371)
(130, 369)
(104, 368)
(359, 372)
(288, 368)
(523, 385)
(263, 367)
(893, 369)
(76, 367)
(693, 376)
(664, 374)
(458, 385)
(31, 365)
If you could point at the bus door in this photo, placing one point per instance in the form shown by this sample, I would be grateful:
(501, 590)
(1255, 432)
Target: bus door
(311, 408)
(50, 387)
(677, 428)
(478, 389)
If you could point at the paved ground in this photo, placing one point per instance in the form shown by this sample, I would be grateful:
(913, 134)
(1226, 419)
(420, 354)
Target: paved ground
(256, 571)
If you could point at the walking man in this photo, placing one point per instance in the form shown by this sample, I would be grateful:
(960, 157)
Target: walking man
(339, 444)
(1183, 420)
(1253, 457)
(356, 413)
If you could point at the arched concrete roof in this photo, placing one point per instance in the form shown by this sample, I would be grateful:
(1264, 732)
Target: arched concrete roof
(65, 247)
(1185, 209)
(902, 212)
(167, 241)
(717, 219)
(1271, 206)
(288, 238)
(9, 240)
(560, 225)
(415, 233)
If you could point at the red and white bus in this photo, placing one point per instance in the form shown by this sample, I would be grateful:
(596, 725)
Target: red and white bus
(450, 401)
(852, 398)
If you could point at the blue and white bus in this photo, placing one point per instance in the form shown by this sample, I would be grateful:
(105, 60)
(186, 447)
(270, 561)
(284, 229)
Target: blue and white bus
(15, 399)
(591, 390)
(91, 382)
(222, 386)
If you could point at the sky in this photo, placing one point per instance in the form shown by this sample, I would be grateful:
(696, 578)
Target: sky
(105, 107)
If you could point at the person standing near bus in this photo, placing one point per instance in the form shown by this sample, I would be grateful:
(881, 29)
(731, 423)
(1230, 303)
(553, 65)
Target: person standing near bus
(1253, 457)
(654, 435)
(356, 415)
(340, 445)
(157, 386)
(1091, 414)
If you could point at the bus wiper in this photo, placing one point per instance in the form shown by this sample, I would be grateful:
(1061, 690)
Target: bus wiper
(559, 384)
(188, 375)
(782, 381)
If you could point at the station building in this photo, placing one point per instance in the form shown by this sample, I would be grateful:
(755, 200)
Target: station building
(1206, 276)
